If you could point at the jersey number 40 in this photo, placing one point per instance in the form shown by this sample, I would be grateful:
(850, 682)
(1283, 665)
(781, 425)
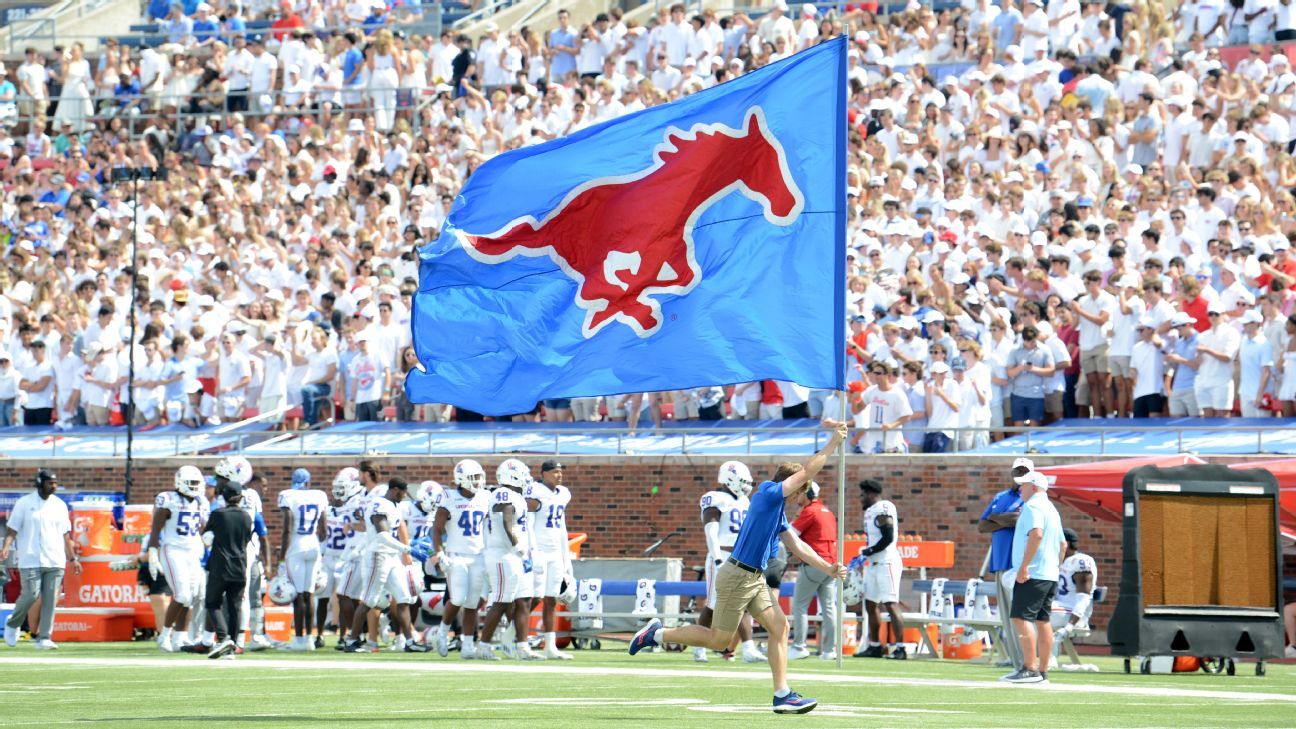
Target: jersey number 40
(470, 522)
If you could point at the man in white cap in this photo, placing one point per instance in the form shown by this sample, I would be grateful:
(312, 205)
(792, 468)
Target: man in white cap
(999, 520)
(1182, 356)
(1217, 348)
(1255, 366)
(1147, 369)
(944, 398)
(1038, 549)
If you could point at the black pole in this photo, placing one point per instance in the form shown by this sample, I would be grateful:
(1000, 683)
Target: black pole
(130, 350)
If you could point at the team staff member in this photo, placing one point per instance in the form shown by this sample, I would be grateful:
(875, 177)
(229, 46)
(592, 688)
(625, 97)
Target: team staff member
(998, 520)
(41, 531)
(816, 525)
(228, 532)
(740, 584)
(1038, 550)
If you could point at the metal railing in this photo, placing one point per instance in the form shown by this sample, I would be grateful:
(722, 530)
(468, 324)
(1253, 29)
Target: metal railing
(547, 439)
(43, 25)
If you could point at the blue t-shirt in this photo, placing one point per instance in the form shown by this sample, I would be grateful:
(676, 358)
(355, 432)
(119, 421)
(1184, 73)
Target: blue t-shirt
(1004, 502)
(758, 539)
(1039, 513)
(204, 29)
(351, 60)
(563, 62)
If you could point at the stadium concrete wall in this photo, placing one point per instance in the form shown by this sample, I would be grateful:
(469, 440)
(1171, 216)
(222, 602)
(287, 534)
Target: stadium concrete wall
(627, 503)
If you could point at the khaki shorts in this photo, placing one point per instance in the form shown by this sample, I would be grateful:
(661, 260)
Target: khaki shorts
(1119, 366)
(1094, 360)
(737, 592)
(1053, 402)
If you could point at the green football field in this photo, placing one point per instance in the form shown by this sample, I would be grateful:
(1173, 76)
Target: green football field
(134, 685)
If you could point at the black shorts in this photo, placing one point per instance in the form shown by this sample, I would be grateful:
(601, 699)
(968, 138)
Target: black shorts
(1033, 600)
(1146, 405)
(152, 586)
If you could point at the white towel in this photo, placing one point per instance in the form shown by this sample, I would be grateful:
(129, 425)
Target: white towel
(646, 597)
(590, 598)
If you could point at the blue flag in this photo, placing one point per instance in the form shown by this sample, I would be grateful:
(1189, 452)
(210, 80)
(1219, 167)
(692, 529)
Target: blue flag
(697, 243)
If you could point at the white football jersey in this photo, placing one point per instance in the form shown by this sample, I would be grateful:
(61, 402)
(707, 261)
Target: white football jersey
(551, 517)
(733, 512)
(416, 520)
(497, 540)
(382, 506)
(881, 407)
(874, 534)
(307, 506)
(465, 521)
(184, 525)
(336, 536)
(1077, 563)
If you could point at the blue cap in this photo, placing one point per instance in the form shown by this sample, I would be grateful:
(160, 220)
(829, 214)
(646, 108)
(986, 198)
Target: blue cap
(1084, 202)
(1042, 167)
(300, 478)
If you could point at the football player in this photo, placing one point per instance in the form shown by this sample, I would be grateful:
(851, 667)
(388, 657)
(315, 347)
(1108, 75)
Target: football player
(299, 551)
(508, 563)
(419, 514)
(457, 537)
(238, 470)
(882, 575)
(348, 493)
(178, 519)
(723, 512)
(366, 504)
(411, 569)
(386, 576)
(1074, 602)
(547, 501)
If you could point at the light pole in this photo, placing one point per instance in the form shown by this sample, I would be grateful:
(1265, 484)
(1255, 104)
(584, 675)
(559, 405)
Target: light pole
(133, 175)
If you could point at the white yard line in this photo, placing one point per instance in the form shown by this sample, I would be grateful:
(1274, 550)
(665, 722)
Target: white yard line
(458, 667)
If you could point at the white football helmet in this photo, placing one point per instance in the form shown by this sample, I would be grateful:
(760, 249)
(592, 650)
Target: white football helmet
(735, 476)
(427, 495)
(513, 472)
(346, 483)
(235, 468)
(469, 475)
(853, 588)
(567, 593)
(189, 481)
(321, 581)
(281, 590)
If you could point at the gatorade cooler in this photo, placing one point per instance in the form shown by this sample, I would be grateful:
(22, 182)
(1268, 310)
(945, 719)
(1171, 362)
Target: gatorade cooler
(562, 624)
(101, 586)
(962, 644)
(279, 623)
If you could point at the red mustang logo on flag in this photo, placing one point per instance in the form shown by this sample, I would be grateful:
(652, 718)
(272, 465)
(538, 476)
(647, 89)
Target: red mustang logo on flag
(628, 238)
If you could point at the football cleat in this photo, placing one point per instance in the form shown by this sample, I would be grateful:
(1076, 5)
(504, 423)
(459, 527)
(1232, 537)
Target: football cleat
(45, 644)
(794, 703)
(259, 643)
(414, 646)
(796, 653)
(552, 653)
(485, 653)
(221, 649)
(439, 643)
(700, 655)
(524, 653)
(645, 637)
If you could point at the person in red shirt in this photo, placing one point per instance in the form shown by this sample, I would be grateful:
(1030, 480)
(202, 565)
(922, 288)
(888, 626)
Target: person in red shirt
(771, 406)
(1192, 303)
(1281, 267)
(288, 19)
(817, 527)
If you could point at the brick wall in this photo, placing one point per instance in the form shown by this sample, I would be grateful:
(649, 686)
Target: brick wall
(613, 499)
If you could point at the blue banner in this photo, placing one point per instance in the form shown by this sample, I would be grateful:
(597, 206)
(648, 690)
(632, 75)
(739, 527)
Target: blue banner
(697, 243)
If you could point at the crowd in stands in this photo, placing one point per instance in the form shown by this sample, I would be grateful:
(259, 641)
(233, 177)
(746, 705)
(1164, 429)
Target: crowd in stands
(1055, 210)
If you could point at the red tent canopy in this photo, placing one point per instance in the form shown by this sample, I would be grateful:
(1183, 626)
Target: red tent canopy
(1095, 488)
(1285, 471)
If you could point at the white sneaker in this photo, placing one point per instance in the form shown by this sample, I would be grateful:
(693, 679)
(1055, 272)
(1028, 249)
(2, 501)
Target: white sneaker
(552, 653)
(795, 653)
(1053, 662)
(259, 643)
(178, 641)
(45, 644)
(486, 653)
(700, 655)
(750, 656)
(295, 645)
(524, 653)
(829, 656)
(439, 642)
(1290, 652)
(11, 636)
(468, 655)
(398, 645)
(168, 645)
(508, 651)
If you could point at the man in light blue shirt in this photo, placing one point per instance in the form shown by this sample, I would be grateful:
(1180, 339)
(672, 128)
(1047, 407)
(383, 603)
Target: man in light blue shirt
(740, 582)
(1037, 553)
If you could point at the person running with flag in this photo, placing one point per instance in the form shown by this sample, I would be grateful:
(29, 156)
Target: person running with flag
(740, 582)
